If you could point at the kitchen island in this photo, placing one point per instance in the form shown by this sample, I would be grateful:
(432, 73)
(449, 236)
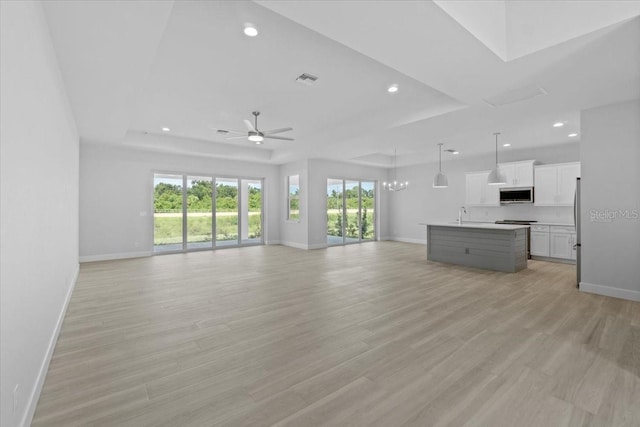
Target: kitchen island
(490, 246)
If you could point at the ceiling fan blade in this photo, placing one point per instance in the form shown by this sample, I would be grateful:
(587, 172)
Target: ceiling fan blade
(249, 126)
(279, 137)
(274, 131)
(225, 131)
(238, 137)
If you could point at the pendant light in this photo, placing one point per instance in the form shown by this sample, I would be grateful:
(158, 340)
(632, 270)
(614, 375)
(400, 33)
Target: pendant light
(496, 176)
(440, 180)
(395, 185)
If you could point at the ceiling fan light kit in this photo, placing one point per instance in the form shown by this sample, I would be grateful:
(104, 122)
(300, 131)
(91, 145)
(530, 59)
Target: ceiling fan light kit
(440, 180)
(496, 176)
(255, 135)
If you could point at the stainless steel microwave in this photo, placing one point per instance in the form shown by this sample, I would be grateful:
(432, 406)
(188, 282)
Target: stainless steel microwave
(516, 195)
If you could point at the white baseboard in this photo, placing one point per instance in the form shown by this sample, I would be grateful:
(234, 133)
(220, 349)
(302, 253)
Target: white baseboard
(318, 246)
(408, 240)
(294, 245)
(303, 246)
(610, 291)
(107, 257)
(273, 242)
(44, 367)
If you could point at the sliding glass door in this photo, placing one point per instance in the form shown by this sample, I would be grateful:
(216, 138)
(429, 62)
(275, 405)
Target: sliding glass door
(351, 217)
(199, 212)
(226, 212)
(335, 229)
(167, 214)
(368, 210)
(194, 212)
(350, 211)
(251, 211)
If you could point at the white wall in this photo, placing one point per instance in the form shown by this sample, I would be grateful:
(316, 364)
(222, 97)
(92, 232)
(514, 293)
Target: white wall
(318, 173)
(610, 154)
(116, 196)
(422, 203)
(294, 233)
(39, 206)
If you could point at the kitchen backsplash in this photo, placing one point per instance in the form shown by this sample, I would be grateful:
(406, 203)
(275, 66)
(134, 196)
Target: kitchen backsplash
(553, 214)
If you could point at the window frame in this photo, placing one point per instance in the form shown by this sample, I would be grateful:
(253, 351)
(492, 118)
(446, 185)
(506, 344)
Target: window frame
(213, 176)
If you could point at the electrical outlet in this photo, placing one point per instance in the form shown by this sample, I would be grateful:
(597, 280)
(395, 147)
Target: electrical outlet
(15, 397)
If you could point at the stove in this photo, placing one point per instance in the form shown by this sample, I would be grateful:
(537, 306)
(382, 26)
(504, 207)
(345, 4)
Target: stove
(521, 222)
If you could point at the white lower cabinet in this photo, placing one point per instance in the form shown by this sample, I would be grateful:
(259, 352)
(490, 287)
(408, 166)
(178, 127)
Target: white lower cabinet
(561, 242)
(540, 243)
(560, 245)
(553, 241)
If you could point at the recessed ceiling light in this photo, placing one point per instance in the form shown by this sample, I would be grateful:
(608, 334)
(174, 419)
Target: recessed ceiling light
(558, 124)
(506, 145)
(393, 88)
(572, 135)
(250, 30)
(455, 152)
(165, 129)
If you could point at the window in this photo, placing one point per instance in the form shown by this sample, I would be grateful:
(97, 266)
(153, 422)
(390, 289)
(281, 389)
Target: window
(193, 212)
(293, 198)
(350, 211)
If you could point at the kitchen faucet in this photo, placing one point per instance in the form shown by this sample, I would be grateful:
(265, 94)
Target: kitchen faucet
(460, 211)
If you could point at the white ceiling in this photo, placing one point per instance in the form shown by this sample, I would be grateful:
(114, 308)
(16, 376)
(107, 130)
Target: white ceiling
(132, 68)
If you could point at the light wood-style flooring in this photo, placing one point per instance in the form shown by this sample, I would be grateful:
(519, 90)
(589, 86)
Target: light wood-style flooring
(361, 335)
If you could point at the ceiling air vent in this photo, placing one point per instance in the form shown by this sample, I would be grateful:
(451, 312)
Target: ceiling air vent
(222, 131)
(307, 79)
(515, 95)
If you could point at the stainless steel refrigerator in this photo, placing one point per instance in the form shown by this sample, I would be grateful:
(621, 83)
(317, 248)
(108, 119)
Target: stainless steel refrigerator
(576, 220)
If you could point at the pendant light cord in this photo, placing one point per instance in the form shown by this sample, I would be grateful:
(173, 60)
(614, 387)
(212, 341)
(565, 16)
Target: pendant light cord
(496, 134)
(395, 165)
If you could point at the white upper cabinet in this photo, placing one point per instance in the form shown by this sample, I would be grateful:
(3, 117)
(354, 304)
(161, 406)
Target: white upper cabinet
(567, 174)
(478, 192)
(555, 184)
(546, 184)
(518, 174)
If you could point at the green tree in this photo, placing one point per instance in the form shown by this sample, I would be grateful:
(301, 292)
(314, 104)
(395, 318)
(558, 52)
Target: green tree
(167, 196)
(255, 199)
(226, 198)
(365, 223)
(339, 225)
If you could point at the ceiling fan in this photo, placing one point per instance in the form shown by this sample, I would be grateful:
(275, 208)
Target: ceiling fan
(256, 135)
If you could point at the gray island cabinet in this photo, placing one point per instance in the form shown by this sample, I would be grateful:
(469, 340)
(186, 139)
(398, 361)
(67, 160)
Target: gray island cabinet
(489, 246)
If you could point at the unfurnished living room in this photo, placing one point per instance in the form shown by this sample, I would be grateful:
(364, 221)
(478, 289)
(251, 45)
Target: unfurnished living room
(301, 213)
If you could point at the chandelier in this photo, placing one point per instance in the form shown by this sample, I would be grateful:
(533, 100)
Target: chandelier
(395, 185)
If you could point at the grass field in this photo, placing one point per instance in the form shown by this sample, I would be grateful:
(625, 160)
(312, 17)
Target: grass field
(168, 229)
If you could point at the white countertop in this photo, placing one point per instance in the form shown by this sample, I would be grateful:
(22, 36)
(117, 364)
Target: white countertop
(476, 221)
(488, 226)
